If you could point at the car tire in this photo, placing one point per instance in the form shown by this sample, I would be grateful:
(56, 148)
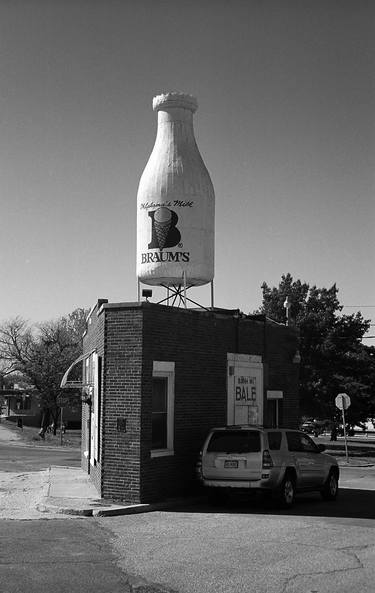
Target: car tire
(286, 493)
(331, 487)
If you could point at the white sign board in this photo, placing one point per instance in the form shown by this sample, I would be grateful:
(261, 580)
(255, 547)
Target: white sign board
(342, 401)
(272, 394)
(245, 390)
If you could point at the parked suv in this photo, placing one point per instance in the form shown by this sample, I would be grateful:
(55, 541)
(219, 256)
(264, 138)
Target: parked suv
(272, 460)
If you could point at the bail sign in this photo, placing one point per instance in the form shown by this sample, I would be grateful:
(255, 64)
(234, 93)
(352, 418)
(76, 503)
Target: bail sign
(245, 389)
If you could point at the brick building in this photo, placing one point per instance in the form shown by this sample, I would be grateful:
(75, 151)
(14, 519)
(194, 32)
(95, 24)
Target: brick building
(157, 378)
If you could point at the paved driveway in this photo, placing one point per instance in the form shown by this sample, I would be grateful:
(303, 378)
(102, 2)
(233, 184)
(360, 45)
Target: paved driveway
(319, 547)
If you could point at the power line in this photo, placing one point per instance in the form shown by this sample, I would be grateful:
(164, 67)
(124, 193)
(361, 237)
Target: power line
(359, 306)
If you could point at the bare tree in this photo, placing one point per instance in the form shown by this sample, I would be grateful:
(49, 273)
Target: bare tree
(42, 354)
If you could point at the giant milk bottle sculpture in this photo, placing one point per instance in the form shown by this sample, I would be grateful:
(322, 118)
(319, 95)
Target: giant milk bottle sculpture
(175, 202)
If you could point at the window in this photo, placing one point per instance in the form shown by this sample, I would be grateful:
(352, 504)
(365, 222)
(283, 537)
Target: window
(308, 445)
(274, 441)
(24, 403)
(234, 441)
(159, 412)
(89, 369)
(162, 408)
(294, 441)
(300, 442)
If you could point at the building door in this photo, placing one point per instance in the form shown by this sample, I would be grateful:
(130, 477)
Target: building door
(244, 389)
(95, 403)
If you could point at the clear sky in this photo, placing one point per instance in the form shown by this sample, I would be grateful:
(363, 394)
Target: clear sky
(285, 125)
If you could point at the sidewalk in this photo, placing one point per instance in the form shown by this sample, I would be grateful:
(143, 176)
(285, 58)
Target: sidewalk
(69, 491)
(57, 490)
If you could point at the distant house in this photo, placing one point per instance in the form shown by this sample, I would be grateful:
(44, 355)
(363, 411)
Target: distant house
(19, 403)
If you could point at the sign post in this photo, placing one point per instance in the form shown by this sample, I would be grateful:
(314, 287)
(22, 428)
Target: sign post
(342, 402)
(62, 402)
(61, 426)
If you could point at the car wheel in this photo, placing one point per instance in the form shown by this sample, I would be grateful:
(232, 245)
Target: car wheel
(286, 492)
(331, 487)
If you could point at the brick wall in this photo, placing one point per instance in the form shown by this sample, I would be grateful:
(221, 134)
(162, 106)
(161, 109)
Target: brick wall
(122, 375)
(198, 343)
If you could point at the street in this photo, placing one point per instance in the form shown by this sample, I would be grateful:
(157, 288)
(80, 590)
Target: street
(243, 546)
(18, 458)
(58, 555)
(244, 549)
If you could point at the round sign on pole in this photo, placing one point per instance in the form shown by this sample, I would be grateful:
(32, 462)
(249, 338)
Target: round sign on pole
(342, 401)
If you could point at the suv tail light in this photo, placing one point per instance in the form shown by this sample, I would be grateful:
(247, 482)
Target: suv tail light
(267, 460)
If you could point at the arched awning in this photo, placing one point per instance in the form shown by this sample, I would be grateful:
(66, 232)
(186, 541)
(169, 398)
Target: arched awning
(65, 383)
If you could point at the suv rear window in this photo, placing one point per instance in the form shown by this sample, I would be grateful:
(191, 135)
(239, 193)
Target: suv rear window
(234, 441)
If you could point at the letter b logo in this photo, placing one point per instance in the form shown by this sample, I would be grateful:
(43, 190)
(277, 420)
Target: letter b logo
(163, 229)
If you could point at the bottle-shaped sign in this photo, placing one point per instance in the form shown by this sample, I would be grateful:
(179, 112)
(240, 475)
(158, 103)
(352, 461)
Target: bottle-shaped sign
(176, 202)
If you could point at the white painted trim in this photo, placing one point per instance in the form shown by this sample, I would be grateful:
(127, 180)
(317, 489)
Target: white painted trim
(166, 369)
(239, 358)
(163, 366)
(161, 452)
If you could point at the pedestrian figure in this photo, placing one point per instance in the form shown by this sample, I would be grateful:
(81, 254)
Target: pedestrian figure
(334, 432)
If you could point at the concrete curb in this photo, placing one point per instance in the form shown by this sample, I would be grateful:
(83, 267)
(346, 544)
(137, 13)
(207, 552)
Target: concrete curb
(113, 510)
(354, 463)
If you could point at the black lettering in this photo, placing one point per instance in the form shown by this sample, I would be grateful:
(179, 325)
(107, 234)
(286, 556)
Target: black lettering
(173, 256)
(165, 256)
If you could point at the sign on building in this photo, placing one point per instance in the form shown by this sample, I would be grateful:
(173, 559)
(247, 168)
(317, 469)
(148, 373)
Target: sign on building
(244, 389)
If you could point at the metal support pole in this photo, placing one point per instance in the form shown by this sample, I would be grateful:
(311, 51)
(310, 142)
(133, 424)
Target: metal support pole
(139, 291)
(61, 425)
(277, 413)
(184, 276)
(212, 294)
(346, 443)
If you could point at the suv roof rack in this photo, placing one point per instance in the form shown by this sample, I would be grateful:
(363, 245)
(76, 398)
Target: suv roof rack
(244, 426)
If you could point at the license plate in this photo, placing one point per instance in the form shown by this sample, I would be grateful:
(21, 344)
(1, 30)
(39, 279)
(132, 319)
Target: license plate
(228, 463)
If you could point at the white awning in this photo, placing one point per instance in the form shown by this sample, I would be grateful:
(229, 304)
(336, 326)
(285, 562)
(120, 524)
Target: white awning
(65, 383)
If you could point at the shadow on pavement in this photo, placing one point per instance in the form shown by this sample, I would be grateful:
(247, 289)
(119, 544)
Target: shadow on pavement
(351, 503)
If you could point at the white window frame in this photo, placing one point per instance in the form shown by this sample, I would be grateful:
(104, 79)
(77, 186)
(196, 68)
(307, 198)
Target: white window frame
(167, 370)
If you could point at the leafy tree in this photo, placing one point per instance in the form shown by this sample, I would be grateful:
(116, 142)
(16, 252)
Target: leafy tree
(42, 354)
(333, 358)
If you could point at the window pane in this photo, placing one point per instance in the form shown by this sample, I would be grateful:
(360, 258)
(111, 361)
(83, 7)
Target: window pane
(294, 441)
(159, 431)
(234, 441)
(274, 440)
(159, 394)
(308, 445)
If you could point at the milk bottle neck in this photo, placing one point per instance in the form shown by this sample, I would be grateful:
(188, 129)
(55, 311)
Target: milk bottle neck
(176, 123)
